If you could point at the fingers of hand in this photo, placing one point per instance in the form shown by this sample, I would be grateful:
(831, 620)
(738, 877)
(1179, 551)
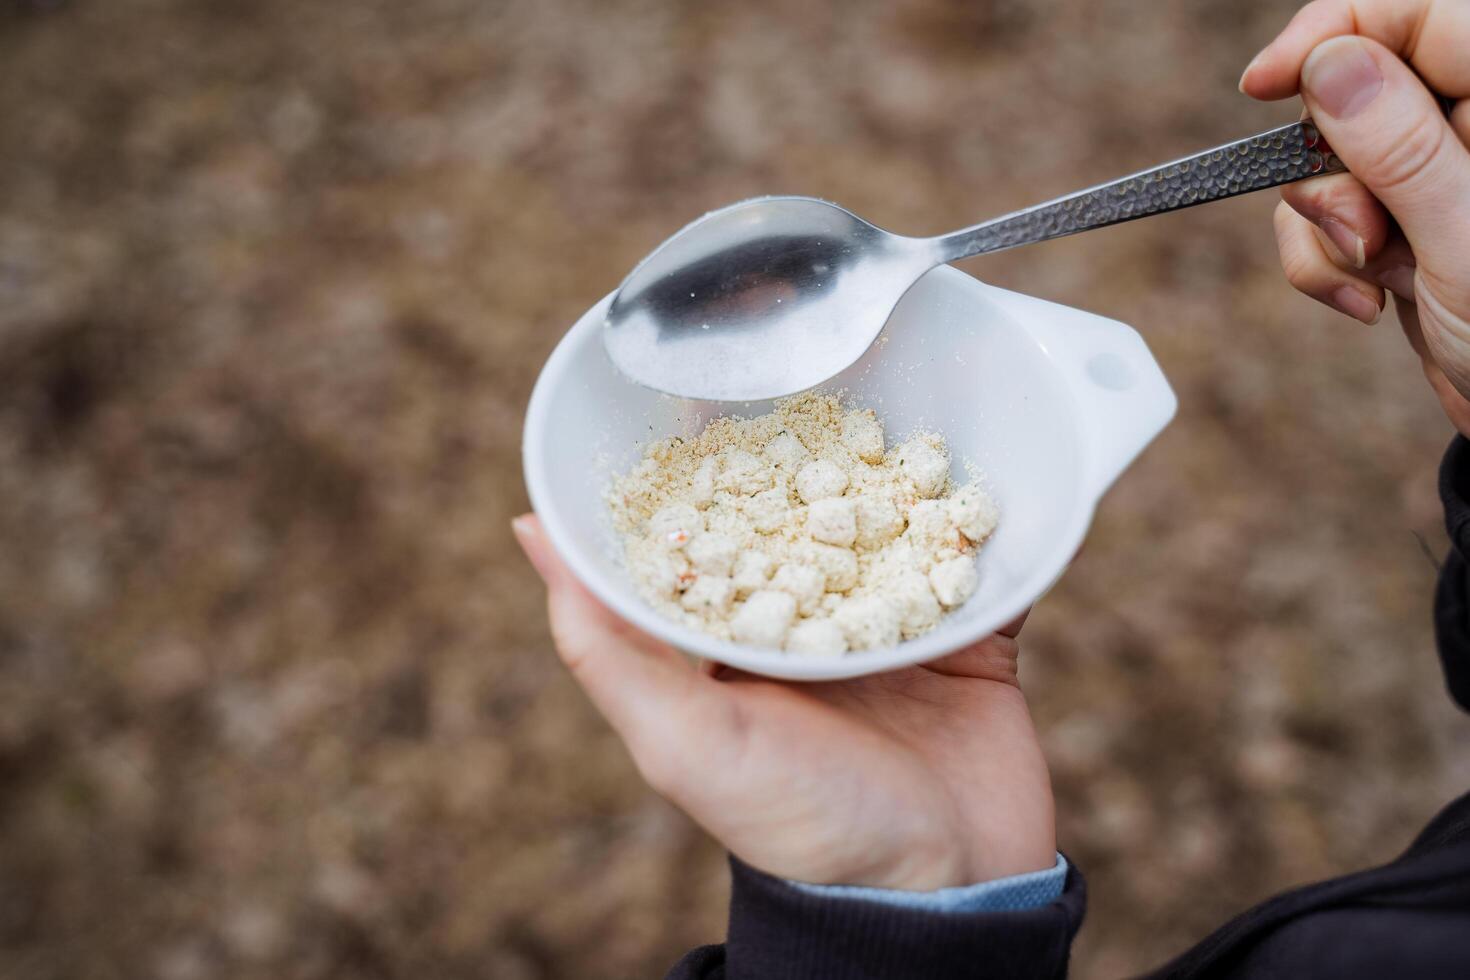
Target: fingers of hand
(993, 658)
(1355, 231)
(668, 713)
(1310, 268)
(1013, 628)
(1390, 132)
(1345, 211)
(1430, 34)
(531, 536)
(1393, 268)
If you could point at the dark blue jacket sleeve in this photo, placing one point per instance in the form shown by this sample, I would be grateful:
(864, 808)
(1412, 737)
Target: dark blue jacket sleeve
(1452, 600)
(780, 933)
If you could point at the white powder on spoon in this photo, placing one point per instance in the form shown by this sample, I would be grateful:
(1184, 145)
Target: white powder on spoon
(799, 530)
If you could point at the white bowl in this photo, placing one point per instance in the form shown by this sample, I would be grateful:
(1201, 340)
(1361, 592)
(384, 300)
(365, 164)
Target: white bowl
(1051, 403)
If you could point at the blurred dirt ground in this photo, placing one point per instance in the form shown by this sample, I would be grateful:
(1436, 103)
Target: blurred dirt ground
(276, 696)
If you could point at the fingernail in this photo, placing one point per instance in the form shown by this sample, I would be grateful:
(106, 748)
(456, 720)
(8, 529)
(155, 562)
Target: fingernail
(533, 543)
(1342, 77)
(1399, 281)
(1356, 305)
(1248, 69)
(1347, 241)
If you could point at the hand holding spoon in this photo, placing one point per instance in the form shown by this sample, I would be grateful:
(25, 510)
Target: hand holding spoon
(774, 295)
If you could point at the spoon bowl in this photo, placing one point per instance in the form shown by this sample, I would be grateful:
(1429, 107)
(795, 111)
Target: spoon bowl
(760, 299)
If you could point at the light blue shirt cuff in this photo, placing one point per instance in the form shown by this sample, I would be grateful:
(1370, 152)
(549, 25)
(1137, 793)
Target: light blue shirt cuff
(1014, 894)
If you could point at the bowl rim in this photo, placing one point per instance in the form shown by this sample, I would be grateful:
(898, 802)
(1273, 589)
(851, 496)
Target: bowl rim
(949, 637)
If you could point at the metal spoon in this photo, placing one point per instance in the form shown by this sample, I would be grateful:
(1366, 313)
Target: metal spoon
(774, 295)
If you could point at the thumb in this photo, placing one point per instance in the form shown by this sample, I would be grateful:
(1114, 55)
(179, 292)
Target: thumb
(1386, 126)
(670, 716)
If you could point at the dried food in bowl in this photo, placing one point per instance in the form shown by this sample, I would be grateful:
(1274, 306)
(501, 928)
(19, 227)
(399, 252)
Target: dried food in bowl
(845, 542)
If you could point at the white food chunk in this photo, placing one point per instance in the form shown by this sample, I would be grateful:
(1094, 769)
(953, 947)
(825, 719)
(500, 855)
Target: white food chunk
(816, 638)
(743, 473)
(863, 434)
(767, 510)
(868, 622)
(786, 452)
(973, 512)
(751, 571)
(838, 565)
(663, 572)
(833, 521)
(702, 483)
(712, 554)
(925, 465)
(954, 581)
(803, 583)
(709, 593)
(820, 480)
(931, 528)
(911, 595)
(878, 522)
(764, 619)
(676, 525)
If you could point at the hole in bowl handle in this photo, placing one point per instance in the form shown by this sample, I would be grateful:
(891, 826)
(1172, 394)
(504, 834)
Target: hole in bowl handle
(1124, 397)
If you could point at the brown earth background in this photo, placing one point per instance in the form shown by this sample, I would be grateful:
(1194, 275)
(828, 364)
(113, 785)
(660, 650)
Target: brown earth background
(276, 695)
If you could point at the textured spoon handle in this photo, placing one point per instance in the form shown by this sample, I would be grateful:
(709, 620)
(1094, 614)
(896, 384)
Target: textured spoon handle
(1279, 156)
